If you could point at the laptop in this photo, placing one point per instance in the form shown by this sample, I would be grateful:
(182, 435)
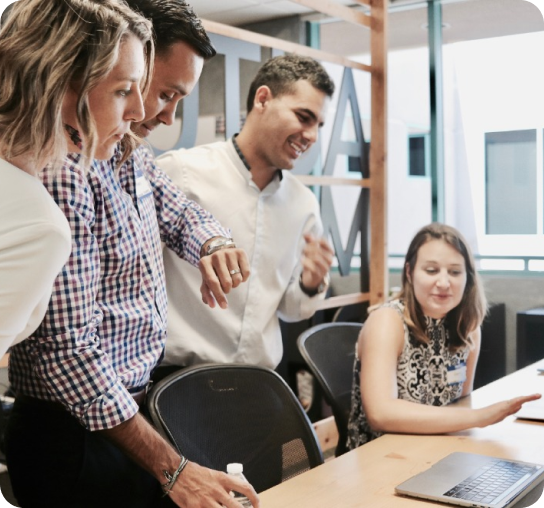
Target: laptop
(468, 479)
(532, 411)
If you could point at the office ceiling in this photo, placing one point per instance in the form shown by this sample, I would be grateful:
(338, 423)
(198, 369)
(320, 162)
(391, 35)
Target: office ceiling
(462, 20)
(240, 12)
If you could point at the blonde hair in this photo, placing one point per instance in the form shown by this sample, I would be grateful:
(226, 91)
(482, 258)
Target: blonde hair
(469, 314)
(46, 47)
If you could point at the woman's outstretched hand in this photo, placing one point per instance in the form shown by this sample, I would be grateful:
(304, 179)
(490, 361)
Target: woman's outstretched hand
(499, 411)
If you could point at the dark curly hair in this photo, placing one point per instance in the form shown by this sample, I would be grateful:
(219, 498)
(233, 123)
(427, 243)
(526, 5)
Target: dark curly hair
(174, 21)
(282, 72)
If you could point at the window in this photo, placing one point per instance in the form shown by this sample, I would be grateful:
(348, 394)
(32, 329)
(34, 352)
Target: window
(511, 182)
(417, 149)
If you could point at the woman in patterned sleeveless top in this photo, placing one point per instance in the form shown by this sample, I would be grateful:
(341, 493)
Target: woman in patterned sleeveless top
(418, 352)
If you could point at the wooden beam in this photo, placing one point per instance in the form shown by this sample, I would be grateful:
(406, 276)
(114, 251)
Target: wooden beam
(341, 300)
(363, 2)
(288, 47)
(332, 180)
(337, 11)
(378, 154)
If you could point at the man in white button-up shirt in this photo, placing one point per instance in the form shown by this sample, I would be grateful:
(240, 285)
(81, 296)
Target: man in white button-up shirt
(274, 218)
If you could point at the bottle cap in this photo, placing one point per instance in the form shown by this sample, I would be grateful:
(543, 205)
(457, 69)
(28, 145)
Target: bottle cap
(235, 468)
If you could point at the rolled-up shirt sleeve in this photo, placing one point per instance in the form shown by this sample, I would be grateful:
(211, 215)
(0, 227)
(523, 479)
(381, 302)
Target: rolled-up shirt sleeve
(105, 328)
(296, 305)
(64, 356)
(184, 225)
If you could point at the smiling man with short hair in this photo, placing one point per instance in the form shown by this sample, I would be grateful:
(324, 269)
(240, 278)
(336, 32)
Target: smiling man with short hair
(246, 183)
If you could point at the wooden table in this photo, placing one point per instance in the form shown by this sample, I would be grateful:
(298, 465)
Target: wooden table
(366, 477)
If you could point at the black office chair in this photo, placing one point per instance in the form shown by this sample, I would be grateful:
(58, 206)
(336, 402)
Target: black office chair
(329, 351)
(217, 414)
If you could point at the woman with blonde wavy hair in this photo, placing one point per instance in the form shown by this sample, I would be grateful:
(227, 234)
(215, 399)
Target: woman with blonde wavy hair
(72, 74)
(418, 352)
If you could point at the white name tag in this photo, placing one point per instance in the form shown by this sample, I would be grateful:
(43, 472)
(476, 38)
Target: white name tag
(457, 374)
(142, 185)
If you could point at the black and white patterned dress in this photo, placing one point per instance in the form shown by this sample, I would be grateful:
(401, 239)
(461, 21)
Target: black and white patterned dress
(422, 375)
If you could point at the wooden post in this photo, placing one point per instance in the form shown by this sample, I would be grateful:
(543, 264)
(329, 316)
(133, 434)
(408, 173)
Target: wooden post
(379, 277)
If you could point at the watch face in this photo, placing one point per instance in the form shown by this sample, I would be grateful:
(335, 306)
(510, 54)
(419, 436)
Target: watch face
(321, 287)
(324, 284)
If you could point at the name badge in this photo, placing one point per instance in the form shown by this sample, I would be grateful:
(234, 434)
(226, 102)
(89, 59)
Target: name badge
(143, 188)
(457, 373)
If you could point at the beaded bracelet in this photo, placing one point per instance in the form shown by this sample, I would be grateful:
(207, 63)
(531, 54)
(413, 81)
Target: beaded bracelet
(167, 487)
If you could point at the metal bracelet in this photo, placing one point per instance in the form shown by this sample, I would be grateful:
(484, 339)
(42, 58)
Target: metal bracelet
(219, 244)
(167, 487)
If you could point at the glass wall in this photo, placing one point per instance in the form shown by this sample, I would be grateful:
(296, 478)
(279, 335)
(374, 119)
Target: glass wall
(510, 182)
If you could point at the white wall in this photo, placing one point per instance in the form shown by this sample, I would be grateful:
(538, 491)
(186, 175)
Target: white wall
(409, 198)
(408, 113)
(491, 85)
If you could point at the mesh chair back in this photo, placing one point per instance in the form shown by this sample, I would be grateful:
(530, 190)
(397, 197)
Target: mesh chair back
(217, 414)
(329, 351)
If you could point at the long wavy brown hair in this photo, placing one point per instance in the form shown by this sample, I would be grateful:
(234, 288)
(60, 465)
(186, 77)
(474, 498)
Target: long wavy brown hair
(46, 47)
(469, 314)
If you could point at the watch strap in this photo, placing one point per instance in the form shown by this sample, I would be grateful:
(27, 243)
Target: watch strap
(319, 289)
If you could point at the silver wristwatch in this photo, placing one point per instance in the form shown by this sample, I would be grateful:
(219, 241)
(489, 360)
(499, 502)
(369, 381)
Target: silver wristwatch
(219, 243)
(319, 289)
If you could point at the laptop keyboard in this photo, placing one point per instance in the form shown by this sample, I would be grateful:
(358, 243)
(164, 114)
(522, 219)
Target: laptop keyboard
(491, 482)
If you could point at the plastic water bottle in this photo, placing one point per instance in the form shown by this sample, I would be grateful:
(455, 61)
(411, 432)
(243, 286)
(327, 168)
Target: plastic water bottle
(237, 470)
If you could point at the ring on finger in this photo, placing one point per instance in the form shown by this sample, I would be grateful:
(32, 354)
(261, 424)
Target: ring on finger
(234, 272)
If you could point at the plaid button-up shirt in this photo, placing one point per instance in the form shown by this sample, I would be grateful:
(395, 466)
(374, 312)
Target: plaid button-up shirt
(105, 328)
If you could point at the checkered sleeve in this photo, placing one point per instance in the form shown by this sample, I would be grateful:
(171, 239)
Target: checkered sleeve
(184, 225)
(66, 349)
